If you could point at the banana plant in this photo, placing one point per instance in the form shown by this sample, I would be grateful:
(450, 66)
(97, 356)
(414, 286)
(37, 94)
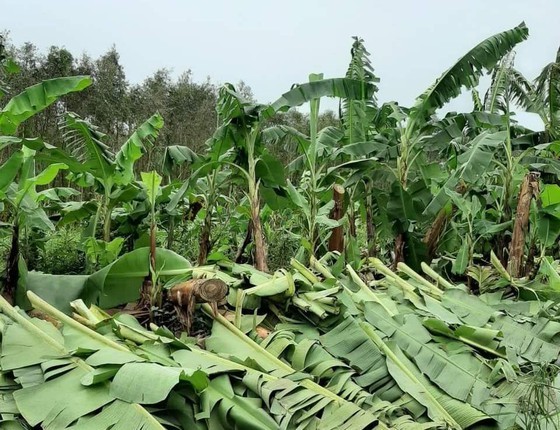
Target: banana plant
(239, 134)
(498, 160)
(205, 189)
(411, 178)
(151, 291)
(20, 167)
(365, 126)
(112, 173)
(175, 156)
(542, 97)
(239, 142)
(547, 100)
(93, 164)
(23, 201)
(464, 73)
(324, 158)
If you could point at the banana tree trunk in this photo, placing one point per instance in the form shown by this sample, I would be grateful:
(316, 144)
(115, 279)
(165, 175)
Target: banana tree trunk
(153, 230)
(258, 237)
(246, 242)
(185, 295)
(254, 200)
(431, 239)
(194, 209)
(399, 250)
(107, 209)
(352, 222)
(529, 189)
(370, 225)
(12, 270)
(147, 299)
(336, 240)
(204, 241)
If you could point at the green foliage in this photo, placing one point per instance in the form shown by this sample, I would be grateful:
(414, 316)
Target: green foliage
(100, 253)
(467, 71)
(59, 252)
(37, 98)
(352, 342)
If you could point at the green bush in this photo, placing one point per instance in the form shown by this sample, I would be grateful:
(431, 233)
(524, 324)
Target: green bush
(59, 253)
(281, 248)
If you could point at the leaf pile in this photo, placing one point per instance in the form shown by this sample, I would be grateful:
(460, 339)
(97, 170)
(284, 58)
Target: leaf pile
(405, 351)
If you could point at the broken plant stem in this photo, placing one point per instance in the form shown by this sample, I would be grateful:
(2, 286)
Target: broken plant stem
(307, 383)
(185, 295)
(84, 312)
(304, 271)
(370, 332)
(321, 268)
(83, 321)
(440, 280)
(39, 303)
(368, 291)
(433, 290)
(500, 267)
(240, 298)
(310, 306)
(400, 282)
(8, 310)
(275, 285)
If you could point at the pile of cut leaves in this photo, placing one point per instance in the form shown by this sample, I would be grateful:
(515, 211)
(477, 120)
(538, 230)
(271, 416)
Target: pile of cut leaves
(314, 347)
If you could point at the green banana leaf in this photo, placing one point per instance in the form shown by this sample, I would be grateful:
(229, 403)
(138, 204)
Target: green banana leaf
(120, 282)
(37, 98)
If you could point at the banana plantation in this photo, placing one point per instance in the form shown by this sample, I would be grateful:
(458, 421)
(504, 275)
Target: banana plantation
(398, 268)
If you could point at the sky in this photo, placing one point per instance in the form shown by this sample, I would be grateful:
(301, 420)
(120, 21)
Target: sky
(272, 45)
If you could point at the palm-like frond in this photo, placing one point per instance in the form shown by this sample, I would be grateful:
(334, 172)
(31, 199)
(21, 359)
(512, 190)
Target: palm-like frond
(86, 144)
(497, 97)
(508, 85)
(524, 94)
(336, 87)
(477, 102)
(357, 115)
(548, 87)
(465, 73)
(136, 145)
(37, 98)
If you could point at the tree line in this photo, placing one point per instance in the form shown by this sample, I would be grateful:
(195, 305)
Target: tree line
(117, 106)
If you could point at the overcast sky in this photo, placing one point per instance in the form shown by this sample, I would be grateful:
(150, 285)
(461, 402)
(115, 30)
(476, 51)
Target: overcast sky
(273, 44)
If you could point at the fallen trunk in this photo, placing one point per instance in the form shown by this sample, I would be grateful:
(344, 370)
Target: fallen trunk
(185, 295)
(336, 240)
(529, 189)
